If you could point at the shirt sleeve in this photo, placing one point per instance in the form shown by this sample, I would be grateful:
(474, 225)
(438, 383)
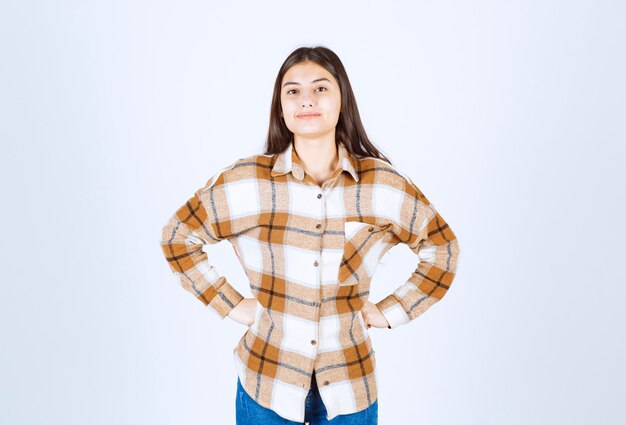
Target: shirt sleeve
(193, 225)
(428, 235)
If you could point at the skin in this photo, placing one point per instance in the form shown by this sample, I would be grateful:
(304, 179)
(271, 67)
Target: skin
(308, 87)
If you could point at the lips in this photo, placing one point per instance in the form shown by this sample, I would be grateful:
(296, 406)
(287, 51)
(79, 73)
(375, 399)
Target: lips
(306, 115)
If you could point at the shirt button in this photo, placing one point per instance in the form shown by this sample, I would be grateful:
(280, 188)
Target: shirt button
(317, 226)
(315, 263)
(319, 195)
(313, 342)
(326, 382)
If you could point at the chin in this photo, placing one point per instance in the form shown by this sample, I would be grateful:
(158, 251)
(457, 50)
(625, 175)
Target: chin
(312, 131)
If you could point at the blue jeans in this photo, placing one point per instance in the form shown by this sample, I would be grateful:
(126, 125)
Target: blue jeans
(249, 412)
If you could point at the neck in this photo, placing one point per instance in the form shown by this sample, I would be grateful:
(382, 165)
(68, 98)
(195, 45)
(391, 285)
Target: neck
(319, 156)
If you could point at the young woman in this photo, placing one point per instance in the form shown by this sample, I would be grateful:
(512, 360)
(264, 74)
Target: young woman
(309, 220)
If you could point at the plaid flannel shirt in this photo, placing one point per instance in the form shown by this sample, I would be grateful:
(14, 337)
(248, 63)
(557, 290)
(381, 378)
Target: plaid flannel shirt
(309, 253)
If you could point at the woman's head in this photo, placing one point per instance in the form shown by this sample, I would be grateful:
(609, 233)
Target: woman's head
(310, 99)
(333, 97)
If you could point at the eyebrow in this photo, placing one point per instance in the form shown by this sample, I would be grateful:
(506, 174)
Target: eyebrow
(314, 81)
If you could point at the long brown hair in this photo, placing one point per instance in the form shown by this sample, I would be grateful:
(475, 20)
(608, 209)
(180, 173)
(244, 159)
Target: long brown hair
(349, 127)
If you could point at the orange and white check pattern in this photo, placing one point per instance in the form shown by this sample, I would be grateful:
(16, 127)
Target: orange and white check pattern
(309, 253)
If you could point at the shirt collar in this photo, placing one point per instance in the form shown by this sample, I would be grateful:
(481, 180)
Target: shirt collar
(288, 161)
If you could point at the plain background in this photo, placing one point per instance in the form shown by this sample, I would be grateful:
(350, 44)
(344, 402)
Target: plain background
(510, 117)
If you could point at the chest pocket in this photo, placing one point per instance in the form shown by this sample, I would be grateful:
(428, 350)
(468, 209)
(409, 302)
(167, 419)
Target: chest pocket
(361, 251)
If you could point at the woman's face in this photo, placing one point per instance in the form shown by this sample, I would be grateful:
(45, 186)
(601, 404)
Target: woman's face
(310, 99)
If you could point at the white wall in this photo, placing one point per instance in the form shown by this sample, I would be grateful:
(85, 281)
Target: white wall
(508, 115)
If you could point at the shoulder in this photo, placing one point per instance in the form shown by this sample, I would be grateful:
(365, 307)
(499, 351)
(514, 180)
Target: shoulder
(251, 166)
(384, 172)
(391, 177)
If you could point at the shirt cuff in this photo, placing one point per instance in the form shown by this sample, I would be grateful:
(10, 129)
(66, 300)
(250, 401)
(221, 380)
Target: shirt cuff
(226, 298)
(393, 311)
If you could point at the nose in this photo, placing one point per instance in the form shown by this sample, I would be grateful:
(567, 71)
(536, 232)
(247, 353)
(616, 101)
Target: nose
(305, 100)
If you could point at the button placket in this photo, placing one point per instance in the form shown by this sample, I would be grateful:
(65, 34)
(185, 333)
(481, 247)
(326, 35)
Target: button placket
(316, 263)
